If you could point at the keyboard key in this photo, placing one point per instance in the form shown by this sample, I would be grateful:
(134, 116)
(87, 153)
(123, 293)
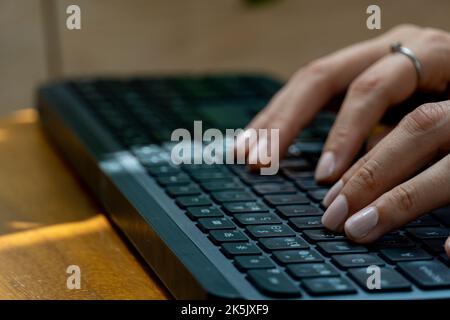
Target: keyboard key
(204, 212)
(302, 223)
(328, 286)
(394, 240)
(240, 248)
(254, 262)
(405, 254)
(274, 282)
(219, 236)
(390, 280)
(183, 190)
(267, 231)
(242, 207)
(253, 178)
(191, 201)
(210, 175)
(427, 274)
(424, 221)
(356, 260)
(318, 195)
(312, 270)
(297, 256)
(322, 235)
(299, 210)
(443, 215)
(444, 258)
(429, 233)
(256, 218)
(307, 184)
(298, 164)
(204, 168)
(170, 180)
(222, 185)
(274, 188)
(232, 196)
(283, 243)
(338, 247)
(207, 224)
(163, 170)
(296, 174)
(435, 246)
(286, 199)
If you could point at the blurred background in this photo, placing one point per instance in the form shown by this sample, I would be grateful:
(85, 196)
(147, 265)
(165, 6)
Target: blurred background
(167, 36)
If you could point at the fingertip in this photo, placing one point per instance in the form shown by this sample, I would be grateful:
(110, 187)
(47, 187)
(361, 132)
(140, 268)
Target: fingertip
(333, 193)
(325, 167)
(447, 246)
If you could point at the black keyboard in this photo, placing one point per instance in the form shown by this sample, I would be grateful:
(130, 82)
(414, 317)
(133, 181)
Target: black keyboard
(220, 230)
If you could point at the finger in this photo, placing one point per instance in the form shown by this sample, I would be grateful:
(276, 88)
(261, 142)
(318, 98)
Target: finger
(337, 187)
(313, 86)
(362, 108)
(447, 246)
(367, 99)
(377, 135)
(402, 204)
(425, 131)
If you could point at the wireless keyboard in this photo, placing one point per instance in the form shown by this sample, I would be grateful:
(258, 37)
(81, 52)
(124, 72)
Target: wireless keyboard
(220, 231)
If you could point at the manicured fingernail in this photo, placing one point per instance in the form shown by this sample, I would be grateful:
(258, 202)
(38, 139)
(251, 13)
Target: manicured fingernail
(326, 166)
(336, 213)
(332, 193)
(361, 223)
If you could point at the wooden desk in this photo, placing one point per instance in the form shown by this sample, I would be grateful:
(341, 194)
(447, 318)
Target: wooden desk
(48, 222)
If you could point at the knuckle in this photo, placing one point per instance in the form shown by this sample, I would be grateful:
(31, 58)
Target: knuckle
(338, 137)
(319, 69)
(425, 117)
(403, 198)
(360, 163)
(434, 36)
(366, 85)
(366, 177)
(404, 28)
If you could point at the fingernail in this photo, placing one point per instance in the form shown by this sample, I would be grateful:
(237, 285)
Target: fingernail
(336, 213)
(332, 193)
(326, 166)
(361, 223)
(447, 243)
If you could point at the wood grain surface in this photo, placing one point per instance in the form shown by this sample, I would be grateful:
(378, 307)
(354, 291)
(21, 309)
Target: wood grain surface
(49, 222)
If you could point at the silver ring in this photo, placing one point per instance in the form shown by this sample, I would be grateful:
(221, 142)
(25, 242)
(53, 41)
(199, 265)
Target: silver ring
(398, 48)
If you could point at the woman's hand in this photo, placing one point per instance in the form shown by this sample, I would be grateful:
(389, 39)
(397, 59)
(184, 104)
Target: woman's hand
(375, 79)
(383, 188)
